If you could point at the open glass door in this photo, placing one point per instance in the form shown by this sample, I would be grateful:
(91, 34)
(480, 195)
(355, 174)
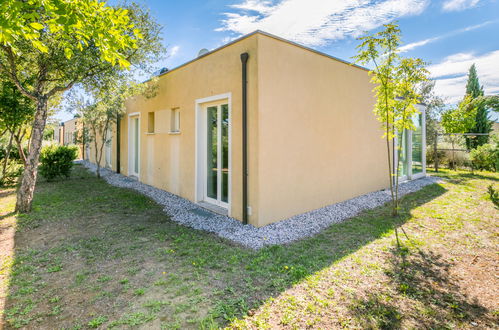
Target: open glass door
(217, 155)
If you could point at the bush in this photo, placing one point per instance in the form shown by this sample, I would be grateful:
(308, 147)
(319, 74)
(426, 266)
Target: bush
(12, 172)
(57, 161)
(485, 157)
(494, 195)
(430, 156)
(14, 152)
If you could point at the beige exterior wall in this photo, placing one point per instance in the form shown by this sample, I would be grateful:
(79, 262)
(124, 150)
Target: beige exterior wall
(319, 141)
(168, 161)
(312, 140)
(67, 134)
(90, 154)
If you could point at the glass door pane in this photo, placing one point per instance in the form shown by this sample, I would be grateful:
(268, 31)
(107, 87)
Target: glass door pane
(225, 152)
(212, 153)
(417, 145)
(136, 145)
(402, 153)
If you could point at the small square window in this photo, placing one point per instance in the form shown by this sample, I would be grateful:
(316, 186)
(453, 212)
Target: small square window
(175, 121)
(150, 122)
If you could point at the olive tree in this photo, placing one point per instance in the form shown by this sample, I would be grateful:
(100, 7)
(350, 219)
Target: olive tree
(396, 82)
(56, 45)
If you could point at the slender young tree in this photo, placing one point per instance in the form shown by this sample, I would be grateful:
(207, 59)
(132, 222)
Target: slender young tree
(16, 113)
(482, 123)
(57, 44)
(435, 105)
(101, 111)
(396, 82)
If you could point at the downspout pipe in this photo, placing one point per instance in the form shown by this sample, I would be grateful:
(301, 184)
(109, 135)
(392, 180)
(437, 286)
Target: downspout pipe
(118, 143)
(244, 61)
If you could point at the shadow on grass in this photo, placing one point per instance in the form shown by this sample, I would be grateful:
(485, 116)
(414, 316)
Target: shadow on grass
(461, 177)
(421, 279)
(99, 231)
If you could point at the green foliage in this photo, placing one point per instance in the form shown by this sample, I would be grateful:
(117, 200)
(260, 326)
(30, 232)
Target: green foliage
(461, 119)
(434, 107)
(12, 171)
(481, 123)
(396, 79)
(76, 25)
(397, 82)
(485, 157)
(473, 87)
(493, 195)
(97, 321)
(57, 161)
(14, 153)
(16, 109)
(49, 46)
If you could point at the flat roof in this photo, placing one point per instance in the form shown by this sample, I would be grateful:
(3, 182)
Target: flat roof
(268, 35)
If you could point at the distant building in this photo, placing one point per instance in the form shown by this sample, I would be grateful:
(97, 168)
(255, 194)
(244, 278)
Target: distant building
(495, 128)
(67, 133)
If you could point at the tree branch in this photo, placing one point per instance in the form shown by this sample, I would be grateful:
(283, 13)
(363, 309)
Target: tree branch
(13, 74)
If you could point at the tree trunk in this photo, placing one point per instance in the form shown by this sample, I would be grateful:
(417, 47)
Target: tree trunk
(97, 158)
(435, 152)
(28, 182)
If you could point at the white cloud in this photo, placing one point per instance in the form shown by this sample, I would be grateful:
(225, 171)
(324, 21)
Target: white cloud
(174, 51)
(451, 74)
(315, 22)
(417, 44)
(455, 5)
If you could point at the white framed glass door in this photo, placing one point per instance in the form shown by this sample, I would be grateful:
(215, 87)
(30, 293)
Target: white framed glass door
(217, 151)
(108, 141)
(134, 145)
(411, 150)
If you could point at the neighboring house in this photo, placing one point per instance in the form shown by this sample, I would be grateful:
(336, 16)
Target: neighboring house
(67, 133)
(310, 138)
(495, 128)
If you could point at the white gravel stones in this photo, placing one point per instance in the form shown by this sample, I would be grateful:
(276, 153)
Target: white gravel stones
(297, 227)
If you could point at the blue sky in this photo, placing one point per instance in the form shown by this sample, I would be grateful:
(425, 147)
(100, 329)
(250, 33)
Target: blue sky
(448, 34)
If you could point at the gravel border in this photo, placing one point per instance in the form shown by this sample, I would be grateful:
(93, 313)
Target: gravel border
(297, 227)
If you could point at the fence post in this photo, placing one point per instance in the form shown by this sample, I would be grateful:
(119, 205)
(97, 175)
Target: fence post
(435, 152)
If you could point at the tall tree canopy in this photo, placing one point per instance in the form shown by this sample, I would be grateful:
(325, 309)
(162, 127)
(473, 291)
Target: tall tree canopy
(56, 44)
(482, 124)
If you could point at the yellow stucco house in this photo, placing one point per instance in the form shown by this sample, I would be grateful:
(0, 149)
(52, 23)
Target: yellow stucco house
(260, 129)
(67, 132)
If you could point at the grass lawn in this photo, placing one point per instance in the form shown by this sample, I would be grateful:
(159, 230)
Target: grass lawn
(95, 256)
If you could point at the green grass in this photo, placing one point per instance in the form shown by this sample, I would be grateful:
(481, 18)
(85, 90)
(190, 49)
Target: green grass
(88, 247)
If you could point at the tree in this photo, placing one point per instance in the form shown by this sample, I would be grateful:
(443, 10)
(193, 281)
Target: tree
(396, 80)
(435, 105)
(16, 113)
(106, 105)
(458, 121)
(57, 44)
(482, 124)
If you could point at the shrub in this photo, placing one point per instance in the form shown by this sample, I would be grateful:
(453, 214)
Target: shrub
(57, 161)
(430, 156)
(494, 195)
(12, 172)
(485, 157)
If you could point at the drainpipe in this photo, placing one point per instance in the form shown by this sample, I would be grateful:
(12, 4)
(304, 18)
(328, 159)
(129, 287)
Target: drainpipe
(118, 144)
(244, 61)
